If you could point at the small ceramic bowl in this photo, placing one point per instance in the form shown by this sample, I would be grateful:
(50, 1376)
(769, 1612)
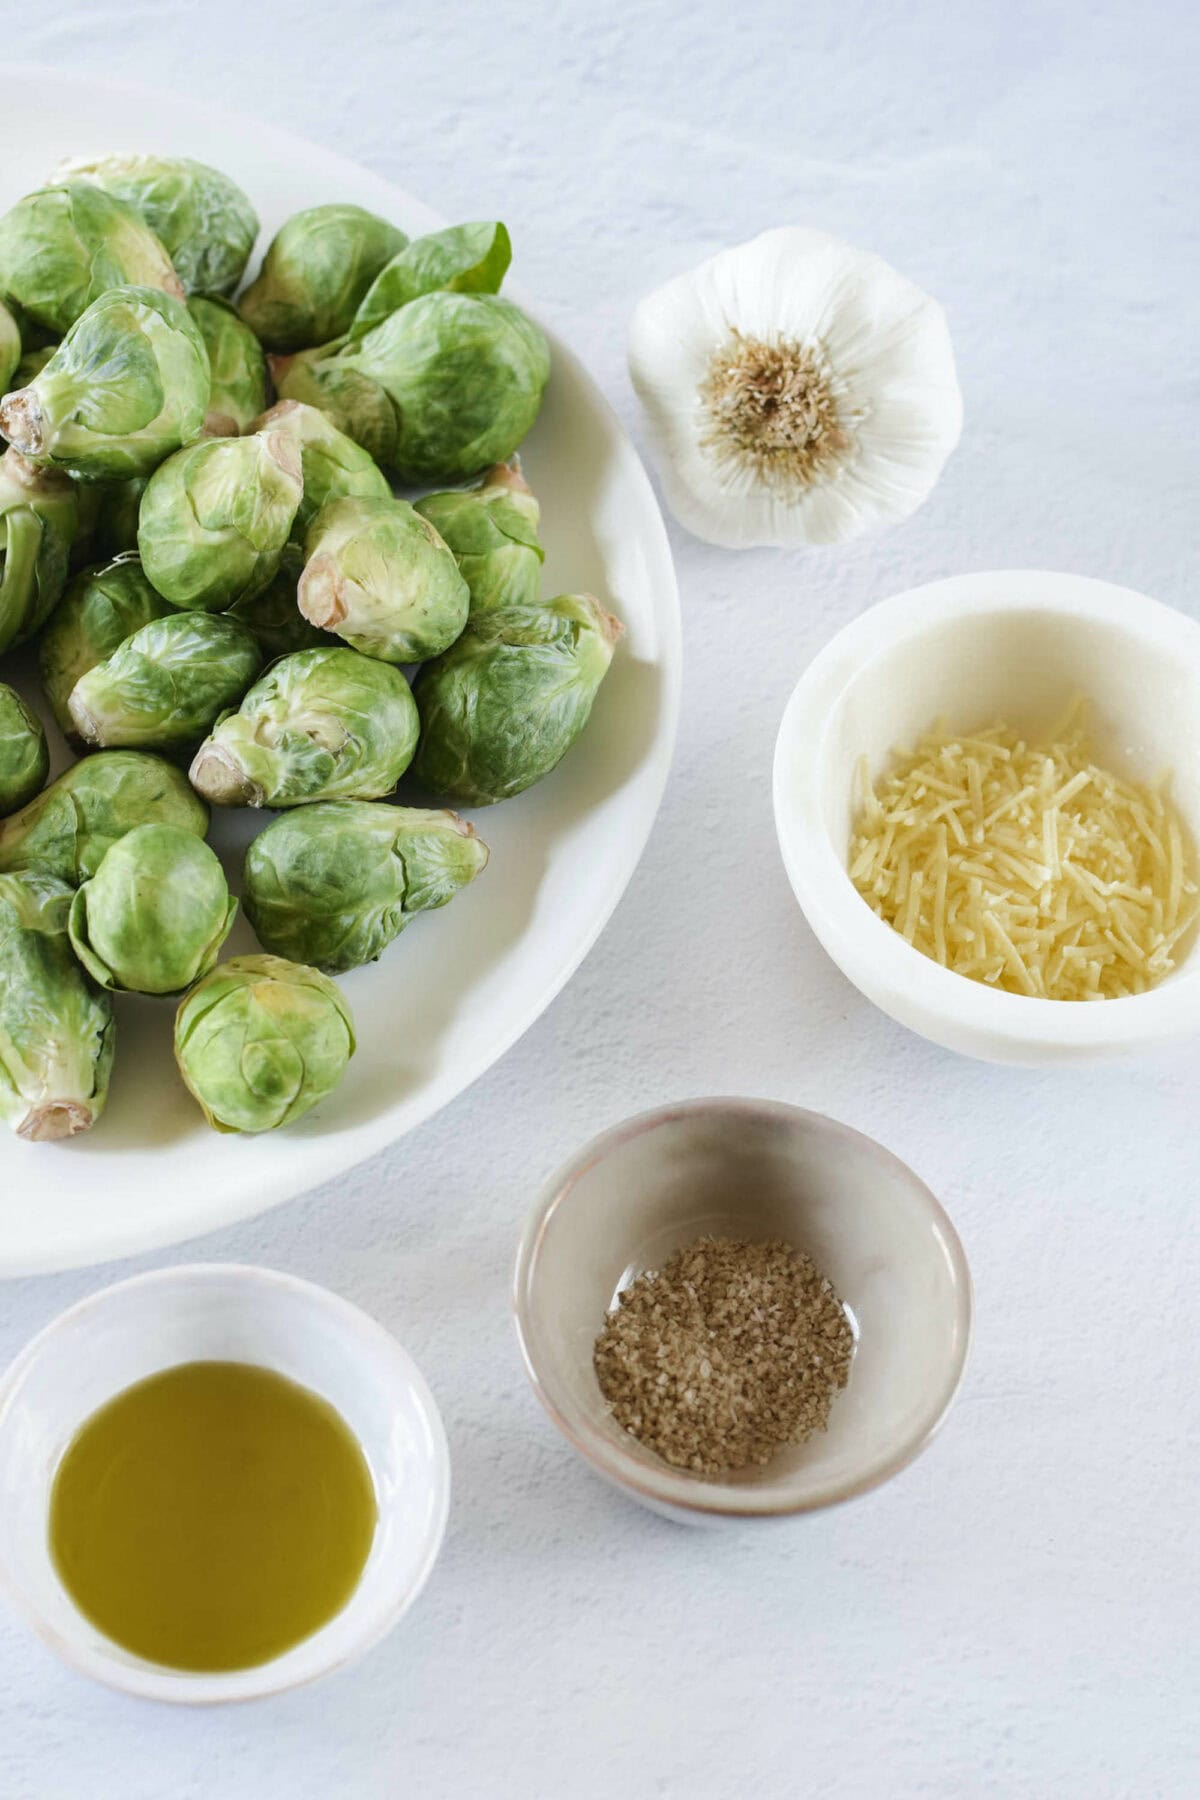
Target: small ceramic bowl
(222, 1312)
(1018, 645)
(749, 1169)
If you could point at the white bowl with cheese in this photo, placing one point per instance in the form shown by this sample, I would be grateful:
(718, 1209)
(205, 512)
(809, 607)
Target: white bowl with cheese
(1017, 645)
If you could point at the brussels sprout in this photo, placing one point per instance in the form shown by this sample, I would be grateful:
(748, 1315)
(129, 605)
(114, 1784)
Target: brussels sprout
(128, 385)
(24, 758)
(101, 608)
(493, 532)
(68, 828)
(446, 385)
(168, 684)
(240, 388)
(320, 725)
(504, 705)
(56, 1028)
(215, 519)
(202, 219)
(333, 884)
(39, 514)
(353, 402)
(317, 268)
(63, 247)
(463, 259)
(274, 617)
(153, 917)
(260, 1040)
(332, 465)
(379, 576)
(10, 347)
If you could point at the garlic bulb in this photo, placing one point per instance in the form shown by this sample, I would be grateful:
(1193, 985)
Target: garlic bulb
(800, 391)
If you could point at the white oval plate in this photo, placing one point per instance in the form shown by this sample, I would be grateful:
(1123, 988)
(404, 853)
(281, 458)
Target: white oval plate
(460, 986)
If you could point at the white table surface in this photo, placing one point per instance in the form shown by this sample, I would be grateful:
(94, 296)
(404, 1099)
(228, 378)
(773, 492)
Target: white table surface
(1016, 1614)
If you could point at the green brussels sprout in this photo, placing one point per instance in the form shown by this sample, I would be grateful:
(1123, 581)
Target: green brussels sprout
(353, 402)
(69, 826)
(202, 219)
(39, 513)
(215, 519)
(505, 703)
(101, 608)
(240, 388)
(379, 576)
(463, 259)
(493, 531)
(332, 465)
(56, 1028)
(128, 385)
(10, 347)
(63, 247)
(153, 917)
(260, 1040)
(167, 685)
(24, 758)
(320, 725)
(333, 884)
(317, 268)
(273, 615)
(445, 386)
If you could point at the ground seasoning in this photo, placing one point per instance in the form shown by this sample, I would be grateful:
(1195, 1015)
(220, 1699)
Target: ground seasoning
(725, 1354)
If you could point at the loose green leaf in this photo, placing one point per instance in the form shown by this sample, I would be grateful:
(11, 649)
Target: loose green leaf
(463, 259)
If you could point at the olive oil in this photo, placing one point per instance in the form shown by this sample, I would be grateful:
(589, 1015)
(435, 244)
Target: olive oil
(212, 1516)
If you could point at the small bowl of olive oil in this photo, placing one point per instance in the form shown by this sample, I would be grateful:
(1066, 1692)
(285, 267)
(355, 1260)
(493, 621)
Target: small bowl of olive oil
(217, 1483)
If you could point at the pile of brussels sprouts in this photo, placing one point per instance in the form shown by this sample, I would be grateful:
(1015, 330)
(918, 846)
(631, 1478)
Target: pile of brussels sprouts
(198, 526)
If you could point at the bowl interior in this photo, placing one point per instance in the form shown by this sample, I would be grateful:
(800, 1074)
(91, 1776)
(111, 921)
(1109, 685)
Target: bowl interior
(751, 1171)
(130, 1331)
(1025, 666)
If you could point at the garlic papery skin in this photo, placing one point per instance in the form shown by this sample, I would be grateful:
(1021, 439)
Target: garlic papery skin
(798, 391)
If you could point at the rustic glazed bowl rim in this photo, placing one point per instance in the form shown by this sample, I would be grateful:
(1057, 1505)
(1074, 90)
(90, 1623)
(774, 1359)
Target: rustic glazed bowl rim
(675, 1489)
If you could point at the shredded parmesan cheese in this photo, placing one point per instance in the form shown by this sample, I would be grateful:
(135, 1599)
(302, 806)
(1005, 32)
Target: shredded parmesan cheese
(1026, 866)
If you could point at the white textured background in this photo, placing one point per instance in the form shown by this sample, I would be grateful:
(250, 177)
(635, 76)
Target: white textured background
(1017, 1614)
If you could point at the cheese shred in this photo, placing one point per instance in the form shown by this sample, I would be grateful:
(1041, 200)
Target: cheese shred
(1026, 866)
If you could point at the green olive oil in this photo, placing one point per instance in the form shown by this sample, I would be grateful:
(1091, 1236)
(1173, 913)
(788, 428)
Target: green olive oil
(212, 1516)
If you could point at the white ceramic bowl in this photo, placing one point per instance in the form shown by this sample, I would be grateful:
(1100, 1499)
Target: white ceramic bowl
(752, 1169)
(1018, 645)
(219, 1311)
